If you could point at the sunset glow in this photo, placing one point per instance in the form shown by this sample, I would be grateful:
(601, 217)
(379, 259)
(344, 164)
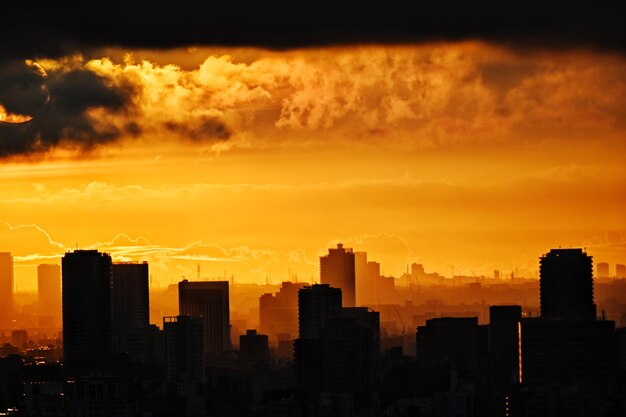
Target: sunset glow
(464, 156)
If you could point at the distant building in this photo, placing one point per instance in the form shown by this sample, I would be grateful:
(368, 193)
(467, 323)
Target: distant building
(49, 292)
(371, 286)
(278, 313)
(209, 300)
(566, 285)
(603, 270)
(620, 271)
(6, 282)
(130, 307)
(86, 310)
(337, 269)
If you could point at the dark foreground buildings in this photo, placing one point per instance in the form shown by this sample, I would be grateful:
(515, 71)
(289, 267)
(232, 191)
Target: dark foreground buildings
(562, 363)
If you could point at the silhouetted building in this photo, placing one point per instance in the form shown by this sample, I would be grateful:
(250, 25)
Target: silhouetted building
(209, 300)
(556, 351)
(185, 363)
(184, 348)
(566, 285)
(49, 292)
(351, 345)
(130, 307)
(6, 284)
(567, 346)
(371, 286)
(620, 271)
(459, 341)
(253, 349)
(86, 310)
(603, 270)
(337, 269)
(315, 304)
(278, 314)
(504, 344)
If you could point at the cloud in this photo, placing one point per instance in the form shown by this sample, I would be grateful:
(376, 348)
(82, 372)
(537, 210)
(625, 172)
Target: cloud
(418, 96)
(60, 104)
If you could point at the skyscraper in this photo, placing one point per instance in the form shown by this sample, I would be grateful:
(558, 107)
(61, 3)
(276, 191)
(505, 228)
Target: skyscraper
(209, 299)
(620, 271)
(337, 269)
(86, 310)
(6, 280)
(49, 292)
(566, 285)
(130, 306)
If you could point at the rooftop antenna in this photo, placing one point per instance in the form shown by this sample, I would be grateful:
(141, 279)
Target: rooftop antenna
(198, 270)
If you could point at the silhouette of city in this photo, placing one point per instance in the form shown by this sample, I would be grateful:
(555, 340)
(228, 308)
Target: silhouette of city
(98, 341)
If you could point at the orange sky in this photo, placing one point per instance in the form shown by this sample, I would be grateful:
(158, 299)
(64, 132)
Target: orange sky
(252, 162)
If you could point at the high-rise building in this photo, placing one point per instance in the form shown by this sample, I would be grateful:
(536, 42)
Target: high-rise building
(504, 344)
(86, 310)
(350, 349)
(6, 281)
(315, 304)
(603, 270)
(337, 269)
(210, 300)
(184, 348)
(185, 364)
(49, 292)
(620, 271)
(566, 285)
(130, 307)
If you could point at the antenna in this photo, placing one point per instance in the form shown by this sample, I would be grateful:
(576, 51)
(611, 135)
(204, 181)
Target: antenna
(198, 268)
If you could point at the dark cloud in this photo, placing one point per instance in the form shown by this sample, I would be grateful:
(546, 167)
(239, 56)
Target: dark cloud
(56, 28)
(58, 103)
(204, 128)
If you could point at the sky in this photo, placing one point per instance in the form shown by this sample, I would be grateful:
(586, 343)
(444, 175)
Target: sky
(462, 140)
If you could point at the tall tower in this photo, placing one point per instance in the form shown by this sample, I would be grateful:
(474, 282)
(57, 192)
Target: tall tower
(6, 281)
(338, 270)
(86, 310)
(49, 292)
(129, 303)
(209, 299)
(566, 285)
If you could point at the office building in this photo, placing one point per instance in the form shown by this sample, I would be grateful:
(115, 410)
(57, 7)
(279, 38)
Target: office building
(6, 283)
(504, 345)
(350, 349)
(130, 307)
(184, 348)
(603, 270)
(315, 304)
(86, 310)
(620, 271)
(253, 349)
(209, 300)
(566, 285)
(337, 269)
(49, 293)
